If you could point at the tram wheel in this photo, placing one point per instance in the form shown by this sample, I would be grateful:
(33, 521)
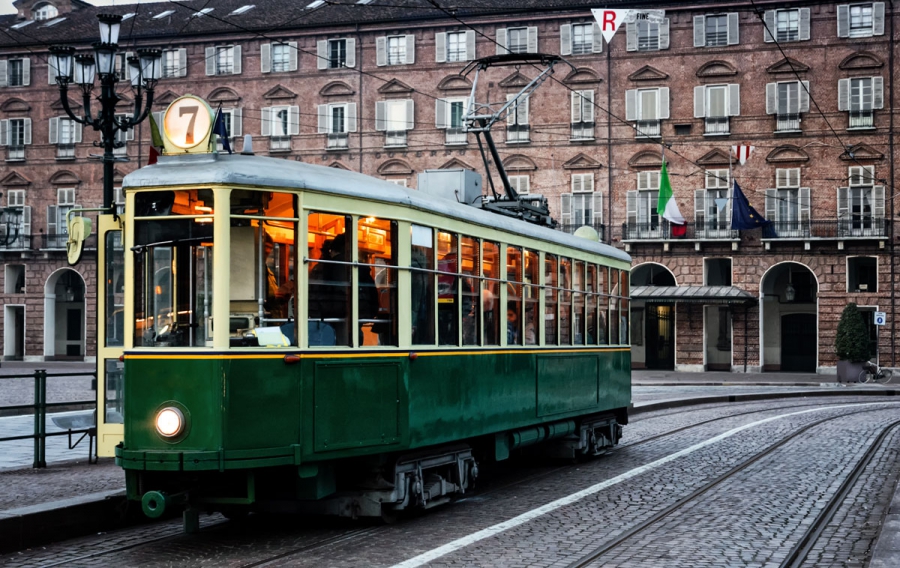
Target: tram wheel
(389, 515)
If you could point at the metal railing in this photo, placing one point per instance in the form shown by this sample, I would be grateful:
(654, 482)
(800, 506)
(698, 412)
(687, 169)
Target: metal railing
(861, 119)
(279, 143)
(571, 228)
(787, 122)
(663, 230)
(647, 129)
(582, 131)
(455, 136)
(21, 242)
(858, 228)
(717, 125)
(395, 138)
(15, 152)
(517, 133)
(40, 406)
(65, 151)
(57, 241)
(339, 141)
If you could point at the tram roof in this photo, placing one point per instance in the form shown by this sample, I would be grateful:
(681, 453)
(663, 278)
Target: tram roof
(241, 170)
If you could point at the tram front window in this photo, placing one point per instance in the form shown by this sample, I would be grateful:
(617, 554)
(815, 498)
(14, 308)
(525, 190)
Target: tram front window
(173, 268)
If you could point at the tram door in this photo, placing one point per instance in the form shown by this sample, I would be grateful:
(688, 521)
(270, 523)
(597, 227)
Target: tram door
(110, 334)
(660, 336)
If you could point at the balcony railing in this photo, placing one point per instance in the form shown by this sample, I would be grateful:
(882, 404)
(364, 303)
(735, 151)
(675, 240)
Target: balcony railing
(787, 122)
(338, 141)
(711, 230)
(394, 139)
(279, 144)
(717, 125)
(859, 228)
(20, 242)
(15, 152)
(517, 133)
(58, 241)
(600, 228)
(582, 131)
(455, 136)
(861, 119)
(664, 230)
(647, 129)
(65, 151)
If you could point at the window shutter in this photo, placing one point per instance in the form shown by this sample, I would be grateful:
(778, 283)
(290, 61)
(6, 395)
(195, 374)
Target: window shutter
(734, 36)
(27, 122)
(597, 37)
(182, 62)
(843, 204)
(351, 52)
(664, 34)
(769, 24)
(522, 111)
(734, 100)
(878, 18)
(26, 64)
(663, 102)
(294, 120)
(512, 111)
(237, 119)
(565, 208)
(236, 68)
(878, 202)
(532, 39)
(576, 106)
(51, 220)
(501, 42)
(631, 208)
(410, 49)
(597, 208)
(843, 94)
(210, 60)
(631, 39)
(804, 24)
(381, 51)
(804, 205)
(565, 39)
(440, 47)
(4, 132)
(772, 205)
(77, 135)
(351, 117)
(804, 96)
(129, 134)
(843, 20)
(699, 208)
(265, 58)
(587, 108)
(4, 72)
(51, 73)
(470, 45)
(322, 54)
(266, 121)
(410, 114)
(323, 119)
(631, 104)
(379, 116)
(26, 220)
(771, 98)
(126, 69)
(700, 101)
(292, 55)
(577, 183)
(877, 92)
(699, 31)
(54, 130)
(440, 113)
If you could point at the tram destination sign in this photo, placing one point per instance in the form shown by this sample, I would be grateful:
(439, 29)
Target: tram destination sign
(610, 20)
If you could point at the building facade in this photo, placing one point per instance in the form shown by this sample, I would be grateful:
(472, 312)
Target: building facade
(378, 89)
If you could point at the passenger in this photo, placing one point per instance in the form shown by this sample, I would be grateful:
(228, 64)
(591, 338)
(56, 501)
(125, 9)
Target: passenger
(277, 297)
(512, 326)
(530, 325)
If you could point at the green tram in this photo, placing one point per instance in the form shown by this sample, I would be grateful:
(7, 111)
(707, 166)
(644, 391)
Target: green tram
(304, 338)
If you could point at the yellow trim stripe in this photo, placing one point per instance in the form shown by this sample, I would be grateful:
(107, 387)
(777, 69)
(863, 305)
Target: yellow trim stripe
(339, 355)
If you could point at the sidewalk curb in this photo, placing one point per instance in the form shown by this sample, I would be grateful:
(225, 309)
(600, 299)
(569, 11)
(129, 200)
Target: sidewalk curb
(886, 552)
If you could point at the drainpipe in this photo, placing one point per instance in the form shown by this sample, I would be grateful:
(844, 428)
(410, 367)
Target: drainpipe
(891, 245)
(359, 106)
(609, 176)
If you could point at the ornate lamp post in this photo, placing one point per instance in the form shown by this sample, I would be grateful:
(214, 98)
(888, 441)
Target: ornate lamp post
(144, 72)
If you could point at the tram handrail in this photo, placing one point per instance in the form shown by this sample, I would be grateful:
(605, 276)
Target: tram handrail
(40, 406)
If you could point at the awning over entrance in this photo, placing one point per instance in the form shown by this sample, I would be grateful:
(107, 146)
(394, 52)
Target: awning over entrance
(692, 294)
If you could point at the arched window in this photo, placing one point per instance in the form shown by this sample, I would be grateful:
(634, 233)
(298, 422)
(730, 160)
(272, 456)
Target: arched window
(45, 12)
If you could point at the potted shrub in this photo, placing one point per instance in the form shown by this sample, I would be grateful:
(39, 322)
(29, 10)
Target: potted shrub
(851, 344)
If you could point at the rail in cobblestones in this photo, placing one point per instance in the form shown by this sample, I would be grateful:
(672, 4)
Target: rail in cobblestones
(40, 406)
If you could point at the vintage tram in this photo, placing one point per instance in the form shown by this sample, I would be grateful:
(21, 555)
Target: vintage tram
(304, 338)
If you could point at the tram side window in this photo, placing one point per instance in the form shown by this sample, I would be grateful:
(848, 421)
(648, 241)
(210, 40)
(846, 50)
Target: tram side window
(531, 296)
(514, 293)
(578, 318)
(603, 305)
(470, 268)
(614, 307)
(565, 301)
(328, 299)
(263, 268)
(490, 292)
(590, 304)
(423, 283)
(173, 268)
(551, 281)
(377, 304)
(114, 289)
(624, 310)
(448, 289)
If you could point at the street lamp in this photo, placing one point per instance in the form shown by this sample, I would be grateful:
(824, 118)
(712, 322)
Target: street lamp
(80, 70)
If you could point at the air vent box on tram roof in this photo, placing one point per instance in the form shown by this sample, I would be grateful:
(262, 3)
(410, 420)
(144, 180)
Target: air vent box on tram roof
(463, 186)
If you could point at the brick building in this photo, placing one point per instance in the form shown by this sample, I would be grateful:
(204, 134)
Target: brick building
(374, 86)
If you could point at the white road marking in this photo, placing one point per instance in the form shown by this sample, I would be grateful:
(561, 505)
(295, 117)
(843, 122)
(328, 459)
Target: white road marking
(574, 497)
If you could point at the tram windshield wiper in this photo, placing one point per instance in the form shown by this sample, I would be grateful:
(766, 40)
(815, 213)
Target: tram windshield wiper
(142, 248)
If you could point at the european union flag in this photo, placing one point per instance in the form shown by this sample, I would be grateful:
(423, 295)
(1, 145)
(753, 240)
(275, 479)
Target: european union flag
(219, 128)
(743, 216)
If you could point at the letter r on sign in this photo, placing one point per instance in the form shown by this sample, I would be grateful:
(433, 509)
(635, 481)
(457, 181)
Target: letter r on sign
(609, 21)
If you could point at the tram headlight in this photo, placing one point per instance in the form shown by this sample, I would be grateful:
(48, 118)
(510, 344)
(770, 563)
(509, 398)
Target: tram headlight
(169, 422)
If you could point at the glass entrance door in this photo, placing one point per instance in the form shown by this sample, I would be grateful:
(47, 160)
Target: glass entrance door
(110, 334)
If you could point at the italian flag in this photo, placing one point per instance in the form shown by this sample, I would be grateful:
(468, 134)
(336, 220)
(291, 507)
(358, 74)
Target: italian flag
(666, 206)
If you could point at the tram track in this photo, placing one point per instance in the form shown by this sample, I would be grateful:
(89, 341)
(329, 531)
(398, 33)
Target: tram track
(798, 554)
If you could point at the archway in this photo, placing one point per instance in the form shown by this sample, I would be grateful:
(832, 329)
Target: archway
(64, 316)
(789, 319)
(653, 325)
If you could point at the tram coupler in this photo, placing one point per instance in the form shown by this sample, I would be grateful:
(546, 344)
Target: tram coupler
(156, 503)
